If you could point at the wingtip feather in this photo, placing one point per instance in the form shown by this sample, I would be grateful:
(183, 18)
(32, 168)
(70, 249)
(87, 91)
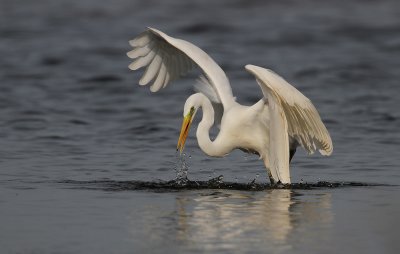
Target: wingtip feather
(326, 152)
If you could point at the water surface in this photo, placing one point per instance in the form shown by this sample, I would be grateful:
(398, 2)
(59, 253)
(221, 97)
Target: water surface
(77, 134)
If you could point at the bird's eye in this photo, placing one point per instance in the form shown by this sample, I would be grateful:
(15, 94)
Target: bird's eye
(192, 110)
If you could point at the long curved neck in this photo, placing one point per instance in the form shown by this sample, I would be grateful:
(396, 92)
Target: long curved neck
(211, 148)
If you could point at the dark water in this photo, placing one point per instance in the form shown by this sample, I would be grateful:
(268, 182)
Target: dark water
(87, 156)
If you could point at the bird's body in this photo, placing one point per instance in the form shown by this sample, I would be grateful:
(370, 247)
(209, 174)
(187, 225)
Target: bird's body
(272, 128)
(247, 134)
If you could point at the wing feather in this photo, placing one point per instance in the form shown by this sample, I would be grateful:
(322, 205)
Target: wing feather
(173, 69)
(141, 51)
(142, 61)
(138, 52)
(303, 121)
(278, 141)
(157, 85)
(167, 75)
(153, 68)
(140, 41)
(167, 59)
(151, 72)
(182, 65)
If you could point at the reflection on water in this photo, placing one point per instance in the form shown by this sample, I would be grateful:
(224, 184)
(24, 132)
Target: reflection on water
(234, 221)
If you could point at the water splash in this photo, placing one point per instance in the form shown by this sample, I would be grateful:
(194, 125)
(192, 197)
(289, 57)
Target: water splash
(253, 183)
(216, 180)
(181, 169)
(212, 184)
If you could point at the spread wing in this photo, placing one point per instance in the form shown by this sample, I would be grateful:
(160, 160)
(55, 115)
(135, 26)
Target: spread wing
(167, 58)
(278, 140)
(303, 121)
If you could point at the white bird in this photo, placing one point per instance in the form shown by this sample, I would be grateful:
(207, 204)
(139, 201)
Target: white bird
(272, 128)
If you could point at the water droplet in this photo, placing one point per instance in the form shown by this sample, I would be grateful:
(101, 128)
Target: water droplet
(181, 170)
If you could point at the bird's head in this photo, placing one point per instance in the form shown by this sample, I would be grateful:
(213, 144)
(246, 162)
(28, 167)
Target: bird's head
(189, 111)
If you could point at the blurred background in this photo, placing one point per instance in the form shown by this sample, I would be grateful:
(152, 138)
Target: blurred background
(70, 109)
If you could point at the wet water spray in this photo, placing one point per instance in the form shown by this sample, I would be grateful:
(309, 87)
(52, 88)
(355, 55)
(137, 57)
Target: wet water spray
(181, 169)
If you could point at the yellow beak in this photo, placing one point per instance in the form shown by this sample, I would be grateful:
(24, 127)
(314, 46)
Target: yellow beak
(187, 121)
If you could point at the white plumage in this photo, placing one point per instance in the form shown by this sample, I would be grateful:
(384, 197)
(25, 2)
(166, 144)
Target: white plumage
(273, 127)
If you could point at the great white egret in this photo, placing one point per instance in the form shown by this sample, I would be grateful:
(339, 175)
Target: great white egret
(272, 128)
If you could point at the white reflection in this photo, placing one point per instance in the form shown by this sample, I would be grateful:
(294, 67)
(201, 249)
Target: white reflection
(273, 221)
(231, 220)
